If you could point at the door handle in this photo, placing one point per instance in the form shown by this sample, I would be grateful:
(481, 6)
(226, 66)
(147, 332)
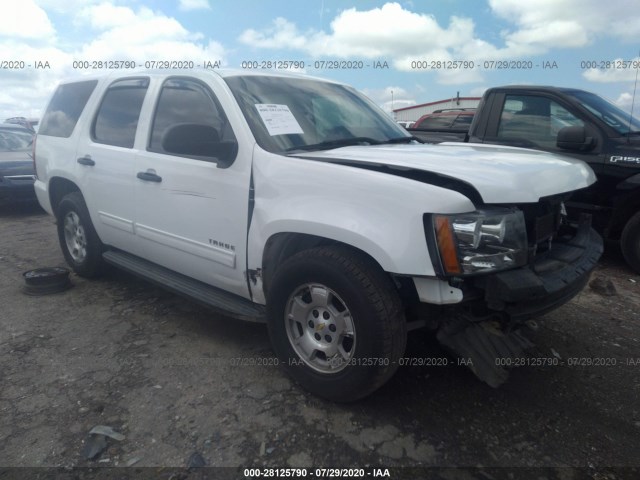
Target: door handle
(149, 177)
(86, 161)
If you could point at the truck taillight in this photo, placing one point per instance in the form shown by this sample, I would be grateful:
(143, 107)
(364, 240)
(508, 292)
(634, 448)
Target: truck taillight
(33, 155)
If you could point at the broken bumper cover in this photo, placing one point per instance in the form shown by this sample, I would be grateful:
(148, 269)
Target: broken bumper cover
(552, 280)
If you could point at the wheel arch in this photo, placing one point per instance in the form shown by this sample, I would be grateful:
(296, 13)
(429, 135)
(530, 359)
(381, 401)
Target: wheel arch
(58, 188)
(625, 208)
(283, 245)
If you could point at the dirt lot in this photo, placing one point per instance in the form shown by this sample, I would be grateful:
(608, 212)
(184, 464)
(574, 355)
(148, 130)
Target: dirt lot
(176, 380)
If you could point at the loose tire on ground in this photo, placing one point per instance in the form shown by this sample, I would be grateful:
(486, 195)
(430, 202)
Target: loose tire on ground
(336, 322)
(79, 241)
(630, 242)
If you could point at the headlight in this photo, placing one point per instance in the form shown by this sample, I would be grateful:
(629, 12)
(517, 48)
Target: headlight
(481, 241)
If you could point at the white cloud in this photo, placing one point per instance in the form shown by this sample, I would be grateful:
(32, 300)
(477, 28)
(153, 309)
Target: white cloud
(567, 23)
(478, 91)
(65, 6)
(107, 15)
(125, 34)
(619, 72)
(624, 100)
(116, 33)
(188, 5)
(24, 92)
(390, 98)
(394, 32)
(24, 19)
(389, 32)
(385, 31)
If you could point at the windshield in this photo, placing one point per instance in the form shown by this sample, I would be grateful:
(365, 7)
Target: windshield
(613, 116)
(294, 114)
(14, 140)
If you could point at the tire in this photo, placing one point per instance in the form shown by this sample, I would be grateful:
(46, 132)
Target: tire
(336, 322)
(78, 239)
(630, 242)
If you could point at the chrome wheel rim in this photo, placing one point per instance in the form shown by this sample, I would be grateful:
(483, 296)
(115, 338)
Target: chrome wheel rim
(320, 328)
(75, 237)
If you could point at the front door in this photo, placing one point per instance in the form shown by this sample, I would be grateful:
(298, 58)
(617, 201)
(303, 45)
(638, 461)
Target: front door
(192, 188)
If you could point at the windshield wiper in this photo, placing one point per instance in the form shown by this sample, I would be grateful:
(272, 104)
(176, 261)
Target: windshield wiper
(329, 144)
(628, 134)
(401, 140)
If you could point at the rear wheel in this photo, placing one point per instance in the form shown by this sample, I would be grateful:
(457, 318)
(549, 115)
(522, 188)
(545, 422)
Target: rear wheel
(79, 241)
(630, 242)
(336, 322)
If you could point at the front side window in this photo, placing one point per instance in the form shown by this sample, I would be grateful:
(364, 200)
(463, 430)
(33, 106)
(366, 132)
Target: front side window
(117, 118)
(534, 119)
(189, 122)
(65, 108)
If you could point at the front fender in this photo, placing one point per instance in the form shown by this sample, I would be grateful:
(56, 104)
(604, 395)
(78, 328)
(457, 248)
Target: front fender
(378, 213)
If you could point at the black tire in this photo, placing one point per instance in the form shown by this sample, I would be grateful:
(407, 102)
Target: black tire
(78, 239)
(364, 301)
(630, 242)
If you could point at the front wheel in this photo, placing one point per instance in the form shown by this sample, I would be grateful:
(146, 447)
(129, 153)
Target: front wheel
(630, 242)
(79, 241)
(336, 322)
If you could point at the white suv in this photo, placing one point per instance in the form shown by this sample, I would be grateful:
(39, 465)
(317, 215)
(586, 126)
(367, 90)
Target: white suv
(296, 201)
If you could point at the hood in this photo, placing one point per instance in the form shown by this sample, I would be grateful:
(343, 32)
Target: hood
(499, 174)
(15, 163)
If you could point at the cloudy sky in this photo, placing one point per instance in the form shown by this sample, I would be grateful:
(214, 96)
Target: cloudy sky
(406, 38)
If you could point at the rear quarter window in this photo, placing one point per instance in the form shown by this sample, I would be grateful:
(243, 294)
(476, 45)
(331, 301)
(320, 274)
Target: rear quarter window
(65, 108)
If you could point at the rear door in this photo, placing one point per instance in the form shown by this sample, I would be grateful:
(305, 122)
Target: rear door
(192, 186)
(105, 161)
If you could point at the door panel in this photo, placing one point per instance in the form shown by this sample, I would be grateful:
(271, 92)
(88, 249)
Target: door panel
(105, 163)
(192, 206)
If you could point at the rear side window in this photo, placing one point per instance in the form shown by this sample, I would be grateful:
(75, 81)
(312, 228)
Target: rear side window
(435, 122)
(189, 122)
(463, 122)
(65, 108)
(117, 118)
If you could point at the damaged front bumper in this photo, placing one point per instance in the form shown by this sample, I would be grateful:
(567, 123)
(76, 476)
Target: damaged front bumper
(488, 331)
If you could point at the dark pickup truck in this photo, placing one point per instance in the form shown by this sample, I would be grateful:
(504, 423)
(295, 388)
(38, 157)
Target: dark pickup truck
(578, 124)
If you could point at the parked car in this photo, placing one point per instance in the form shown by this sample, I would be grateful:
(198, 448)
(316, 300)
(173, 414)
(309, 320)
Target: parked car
(443, 125)
(581, 125)
(16, 164)
(28, 123)
(297, 201)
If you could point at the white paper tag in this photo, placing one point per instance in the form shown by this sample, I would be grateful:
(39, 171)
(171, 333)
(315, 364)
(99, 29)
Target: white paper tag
(278, 119)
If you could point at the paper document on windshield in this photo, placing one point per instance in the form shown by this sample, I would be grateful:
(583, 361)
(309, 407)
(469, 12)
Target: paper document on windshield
(278, 119)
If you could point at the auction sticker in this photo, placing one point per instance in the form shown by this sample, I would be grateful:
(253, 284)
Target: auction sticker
(278, 119)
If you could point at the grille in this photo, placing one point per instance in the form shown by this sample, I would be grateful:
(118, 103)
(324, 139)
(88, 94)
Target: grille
(543, 221)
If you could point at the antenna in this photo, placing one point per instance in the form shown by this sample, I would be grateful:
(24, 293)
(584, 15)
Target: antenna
(633, 99)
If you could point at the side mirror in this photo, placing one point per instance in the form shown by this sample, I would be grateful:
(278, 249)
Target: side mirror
(200, 141)
(574, 138)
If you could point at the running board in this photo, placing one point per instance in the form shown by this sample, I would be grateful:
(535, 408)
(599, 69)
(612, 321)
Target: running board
(222, 302)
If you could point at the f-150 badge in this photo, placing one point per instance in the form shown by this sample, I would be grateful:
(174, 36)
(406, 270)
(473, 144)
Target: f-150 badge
(622, 159)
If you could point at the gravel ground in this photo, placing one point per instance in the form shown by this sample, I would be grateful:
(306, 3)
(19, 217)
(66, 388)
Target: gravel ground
(177, 380)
